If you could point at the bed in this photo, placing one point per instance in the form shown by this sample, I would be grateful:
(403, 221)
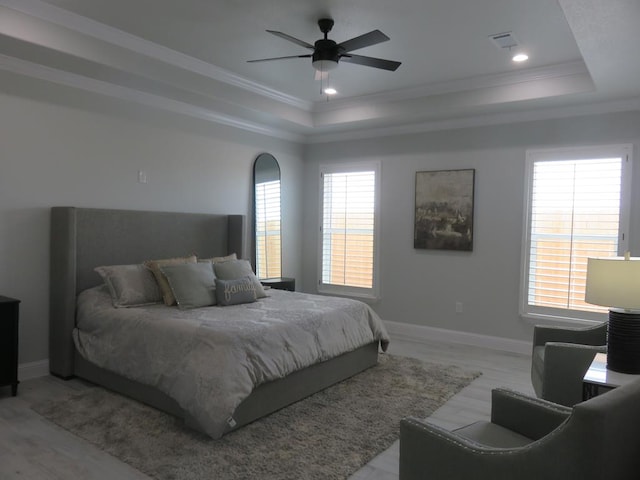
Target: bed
(84, 238)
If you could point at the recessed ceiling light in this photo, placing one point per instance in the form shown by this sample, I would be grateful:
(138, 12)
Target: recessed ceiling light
(520, 57)
(330, 91)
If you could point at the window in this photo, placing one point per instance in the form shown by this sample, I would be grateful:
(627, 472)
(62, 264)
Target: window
(267, 198)
(576, 207)
(348, 234)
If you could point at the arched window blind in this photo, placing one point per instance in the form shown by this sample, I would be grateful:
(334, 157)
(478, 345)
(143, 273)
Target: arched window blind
(268, 251)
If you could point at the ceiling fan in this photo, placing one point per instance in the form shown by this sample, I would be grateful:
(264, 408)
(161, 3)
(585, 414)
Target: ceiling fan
(327, 53)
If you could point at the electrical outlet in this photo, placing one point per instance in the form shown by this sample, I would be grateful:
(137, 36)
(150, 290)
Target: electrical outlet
(142, 176)
(459, 308)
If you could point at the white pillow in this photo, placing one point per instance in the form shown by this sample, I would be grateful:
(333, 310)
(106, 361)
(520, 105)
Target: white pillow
(130, 285)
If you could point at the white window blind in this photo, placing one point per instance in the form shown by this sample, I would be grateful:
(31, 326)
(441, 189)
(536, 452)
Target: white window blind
(576, 210)
(348, 231)
(268, 241)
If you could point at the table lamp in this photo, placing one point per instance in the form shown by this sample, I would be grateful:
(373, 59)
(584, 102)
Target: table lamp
(614, 282)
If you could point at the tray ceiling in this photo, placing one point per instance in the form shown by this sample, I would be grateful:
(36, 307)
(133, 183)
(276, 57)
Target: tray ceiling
(191, 57)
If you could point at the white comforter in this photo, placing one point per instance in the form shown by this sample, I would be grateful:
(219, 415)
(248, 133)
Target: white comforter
(210, 359)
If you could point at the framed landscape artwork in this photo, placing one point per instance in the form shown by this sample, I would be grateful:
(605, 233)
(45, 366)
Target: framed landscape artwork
(444, 210)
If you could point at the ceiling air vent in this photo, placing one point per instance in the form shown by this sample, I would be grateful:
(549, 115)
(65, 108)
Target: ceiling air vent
(504, 40)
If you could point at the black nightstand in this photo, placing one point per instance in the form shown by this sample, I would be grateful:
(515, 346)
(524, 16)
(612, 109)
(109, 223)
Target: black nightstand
(282, 283)
(9, 343)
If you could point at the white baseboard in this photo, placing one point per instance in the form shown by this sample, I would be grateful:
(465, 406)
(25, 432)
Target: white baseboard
(421, 332)
(30, 370)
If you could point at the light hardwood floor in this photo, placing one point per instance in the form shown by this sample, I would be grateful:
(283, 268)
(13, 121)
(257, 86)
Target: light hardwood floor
(33, 448)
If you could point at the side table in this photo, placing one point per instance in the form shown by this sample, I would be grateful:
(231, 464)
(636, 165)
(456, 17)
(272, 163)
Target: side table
(9, 343)
(599, 379)
(280, 283)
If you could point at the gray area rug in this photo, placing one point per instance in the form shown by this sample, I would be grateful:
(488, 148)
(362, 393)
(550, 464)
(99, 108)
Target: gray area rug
(329, 435)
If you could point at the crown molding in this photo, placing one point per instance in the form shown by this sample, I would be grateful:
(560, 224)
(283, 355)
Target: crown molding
(114, 36)
(577, 67)
(23, 67)
(599, 108)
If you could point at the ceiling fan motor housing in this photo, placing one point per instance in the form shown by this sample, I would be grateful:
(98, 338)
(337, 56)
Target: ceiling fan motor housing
(327, 50)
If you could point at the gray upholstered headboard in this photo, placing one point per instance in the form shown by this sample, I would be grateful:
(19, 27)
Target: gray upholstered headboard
(84, 238)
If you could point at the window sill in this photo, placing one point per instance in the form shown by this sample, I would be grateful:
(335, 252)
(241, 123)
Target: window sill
(364, 297)
(557, 321)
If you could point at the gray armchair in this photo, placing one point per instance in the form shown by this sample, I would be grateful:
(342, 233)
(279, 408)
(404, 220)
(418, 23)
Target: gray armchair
(531, 439)
(561, 357)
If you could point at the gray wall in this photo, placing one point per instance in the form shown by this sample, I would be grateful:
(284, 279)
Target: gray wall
(56, 149)
(63, 147)
(421, 287)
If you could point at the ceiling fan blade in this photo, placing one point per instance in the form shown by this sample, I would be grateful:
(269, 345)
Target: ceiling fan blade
(278, 58)
(302, 43)
(366, 40)
(371, 62)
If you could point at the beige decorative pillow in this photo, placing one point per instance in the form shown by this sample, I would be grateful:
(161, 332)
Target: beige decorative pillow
(231, 256)
(154, 266)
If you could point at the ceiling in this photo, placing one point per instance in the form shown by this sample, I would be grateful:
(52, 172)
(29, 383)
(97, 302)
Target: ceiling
(190, 57)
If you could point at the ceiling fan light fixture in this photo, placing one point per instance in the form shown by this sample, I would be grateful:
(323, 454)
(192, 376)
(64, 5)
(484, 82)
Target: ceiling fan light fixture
(327, 53)
(324, 65)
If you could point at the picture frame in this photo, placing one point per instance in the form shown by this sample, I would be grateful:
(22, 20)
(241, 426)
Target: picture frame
(444, 207)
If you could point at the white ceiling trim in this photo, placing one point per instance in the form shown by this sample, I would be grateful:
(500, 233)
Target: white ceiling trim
(23, 67)
(114, 36)
(466, 84)
(449, 105)
(626, 105)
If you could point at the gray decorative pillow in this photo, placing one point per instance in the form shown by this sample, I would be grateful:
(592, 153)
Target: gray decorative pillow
(130, 285)
(193, 284)
(234, 269)
(234, 292)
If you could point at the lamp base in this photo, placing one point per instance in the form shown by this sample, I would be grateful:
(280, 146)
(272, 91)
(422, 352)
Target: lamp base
(623, 342)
